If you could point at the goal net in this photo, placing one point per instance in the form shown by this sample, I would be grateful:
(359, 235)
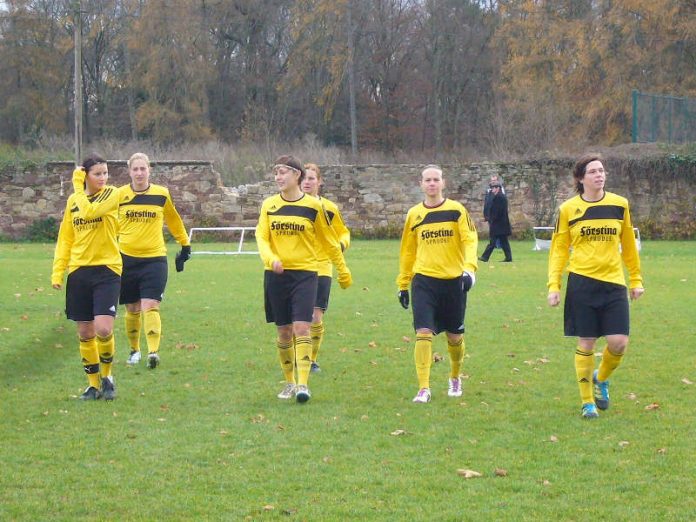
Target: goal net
(228, 241)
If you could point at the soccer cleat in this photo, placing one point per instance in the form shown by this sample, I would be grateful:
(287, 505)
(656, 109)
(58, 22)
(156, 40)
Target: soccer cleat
(108, 390)
(302, 393)
(91, 394)
(133, 358)
(455, 387)
(422, 396)
(153, 360)
(589, 411)
(315, 367)
(601, 392)
(288, 392)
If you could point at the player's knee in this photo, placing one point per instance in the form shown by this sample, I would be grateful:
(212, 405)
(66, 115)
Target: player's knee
(617, 344)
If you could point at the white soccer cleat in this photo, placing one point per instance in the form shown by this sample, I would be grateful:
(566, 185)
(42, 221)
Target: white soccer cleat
(455, 387)
(288, 392)
(422, 396)
(134, 358)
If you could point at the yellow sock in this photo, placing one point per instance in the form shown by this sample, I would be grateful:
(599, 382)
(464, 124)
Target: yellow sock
(303, 353)
(456, 353)
(584, 366)
(106, 347)
(286, 354)
(317, 333)
(153, 329)
(610, 361)
(424, 358)
(133, 330)
(90, 361)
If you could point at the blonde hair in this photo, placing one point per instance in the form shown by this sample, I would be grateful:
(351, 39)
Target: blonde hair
(139, 156)
(315, 168)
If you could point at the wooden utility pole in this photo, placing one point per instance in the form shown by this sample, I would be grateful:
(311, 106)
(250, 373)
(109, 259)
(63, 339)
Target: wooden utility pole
(77, 28)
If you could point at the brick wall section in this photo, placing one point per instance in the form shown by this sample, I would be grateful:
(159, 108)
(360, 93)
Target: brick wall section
(371, 197)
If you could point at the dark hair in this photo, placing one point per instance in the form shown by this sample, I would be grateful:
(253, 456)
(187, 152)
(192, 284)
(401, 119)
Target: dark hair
(580, 166)
(291, 161)
(92, 160)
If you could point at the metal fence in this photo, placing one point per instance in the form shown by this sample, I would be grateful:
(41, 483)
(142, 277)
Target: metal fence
(663, 118)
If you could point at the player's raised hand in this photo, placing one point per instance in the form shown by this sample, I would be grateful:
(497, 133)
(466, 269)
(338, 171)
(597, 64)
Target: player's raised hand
(78, 179)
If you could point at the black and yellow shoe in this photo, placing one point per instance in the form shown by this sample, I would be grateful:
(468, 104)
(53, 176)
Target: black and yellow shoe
(153, 360)
(108, 390)
(91, 394)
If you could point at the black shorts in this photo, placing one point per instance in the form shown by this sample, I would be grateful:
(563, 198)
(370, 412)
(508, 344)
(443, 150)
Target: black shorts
(438, 304)
(594, 308)
(323, 292)
(91, 291)
(290, 296)
(143, 278)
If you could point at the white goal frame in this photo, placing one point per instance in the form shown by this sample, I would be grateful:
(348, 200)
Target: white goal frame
(240, 244)
(545, 244)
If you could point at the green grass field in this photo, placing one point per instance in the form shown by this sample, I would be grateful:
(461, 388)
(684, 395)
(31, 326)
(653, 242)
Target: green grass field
(203, 437)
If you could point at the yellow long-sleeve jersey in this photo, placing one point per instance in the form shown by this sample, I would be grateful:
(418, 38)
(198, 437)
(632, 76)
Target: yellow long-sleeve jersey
(594, 231)
(141, 216)
(88, 233)
(342, 233)
(293, 232)
(437, 242)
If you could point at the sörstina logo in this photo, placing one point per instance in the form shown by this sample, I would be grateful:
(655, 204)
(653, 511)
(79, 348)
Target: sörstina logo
(78, 222)
(435, 234)
(131, 214)
(598, 231)
(280, 226)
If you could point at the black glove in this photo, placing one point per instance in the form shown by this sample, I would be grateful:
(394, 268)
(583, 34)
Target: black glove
(183, 256)
(467, 282)
(403, 298)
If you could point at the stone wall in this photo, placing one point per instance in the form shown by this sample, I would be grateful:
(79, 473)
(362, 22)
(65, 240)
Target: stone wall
(373, 198)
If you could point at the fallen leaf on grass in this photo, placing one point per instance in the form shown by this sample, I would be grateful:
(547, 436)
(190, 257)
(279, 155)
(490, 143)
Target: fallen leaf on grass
(686, 381)
(268, 507)
(553, 438)
(365, 289)
(623, 443)
(326, 460)
(652, 406)
(18, 295)
(631, 396)
(545, 483)
(406, 339)
(468, 473)
(257, 419)
(500, 472)
(437, 357)
(397, 433)
(24, 317)
(372, 344)
(661, 451)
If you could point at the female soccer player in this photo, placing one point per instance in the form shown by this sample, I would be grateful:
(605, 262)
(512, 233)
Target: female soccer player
(438, 260)
(144, 207)
(594, 232)
(88, 249)
(291, 225)
(310, 185)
